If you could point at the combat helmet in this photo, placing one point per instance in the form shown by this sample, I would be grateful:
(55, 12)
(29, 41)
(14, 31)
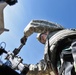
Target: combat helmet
(59, 42)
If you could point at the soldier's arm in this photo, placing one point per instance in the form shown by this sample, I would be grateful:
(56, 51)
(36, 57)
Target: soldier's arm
(40, 26)
(35, 68)
(40, 69)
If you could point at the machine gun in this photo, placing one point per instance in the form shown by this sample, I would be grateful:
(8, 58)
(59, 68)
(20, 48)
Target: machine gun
(13, 62)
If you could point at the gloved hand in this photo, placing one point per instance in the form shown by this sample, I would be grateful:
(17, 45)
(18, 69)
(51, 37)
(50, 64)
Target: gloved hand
(11, 2)
(23, 40)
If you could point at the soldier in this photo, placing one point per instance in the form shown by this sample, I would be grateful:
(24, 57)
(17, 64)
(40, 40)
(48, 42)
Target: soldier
(55, 37)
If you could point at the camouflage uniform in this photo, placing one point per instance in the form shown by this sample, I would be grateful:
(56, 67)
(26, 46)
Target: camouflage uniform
(40, 26)
(57, 39)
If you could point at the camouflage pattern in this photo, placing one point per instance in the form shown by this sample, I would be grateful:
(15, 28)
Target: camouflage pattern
(40, 69)
(54, 38)
(40, 26)
(46, 72)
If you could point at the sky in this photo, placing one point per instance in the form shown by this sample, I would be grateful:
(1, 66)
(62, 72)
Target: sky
(17, 17)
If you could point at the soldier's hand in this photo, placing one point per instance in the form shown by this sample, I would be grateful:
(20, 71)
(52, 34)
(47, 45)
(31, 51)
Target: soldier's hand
(23, 40)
